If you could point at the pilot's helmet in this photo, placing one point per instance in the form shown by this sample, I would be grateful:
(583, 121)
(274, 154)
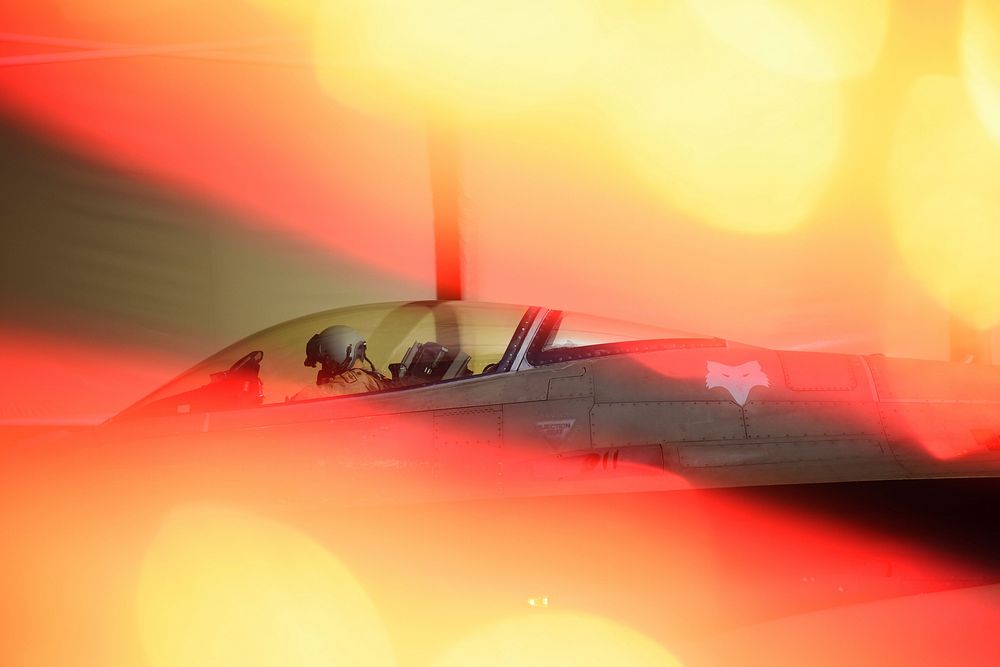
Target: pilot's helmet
(335, 348)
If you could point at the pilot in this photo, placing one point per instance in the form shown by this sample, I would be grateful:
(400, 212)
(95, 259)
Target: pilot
(340, 352)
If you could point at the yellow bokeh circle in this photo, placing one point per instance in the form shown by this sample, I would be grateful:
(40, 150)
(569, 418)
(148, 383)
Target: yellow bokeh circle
(223, 588)
(944, 200)
(469, 58)
(980, 43)
(814, 39)
(712, 132)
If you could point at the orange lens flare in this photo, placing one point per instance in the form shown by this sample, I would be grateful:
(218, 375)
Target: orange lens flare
(143, 562)
(66, 380)
(719, 137)
(221, 587)
(943, 200)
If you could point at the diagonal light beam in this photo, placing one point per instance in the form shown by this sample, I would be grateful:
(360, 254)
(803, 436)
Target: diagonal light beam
(91, 50)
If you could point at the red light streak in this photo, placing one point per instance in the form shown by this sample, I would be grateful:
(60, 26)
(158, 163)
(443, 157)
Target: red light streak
(66, 380)
(678, 567)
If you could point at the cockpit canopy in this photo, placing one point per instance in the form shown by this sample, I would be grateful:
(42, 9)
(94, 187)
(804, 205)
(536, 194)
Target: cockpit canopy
(464, 338)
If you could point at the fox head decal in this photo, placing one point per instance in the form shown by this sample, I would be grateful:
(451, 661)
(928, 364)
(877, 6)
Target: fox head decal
(737, 380)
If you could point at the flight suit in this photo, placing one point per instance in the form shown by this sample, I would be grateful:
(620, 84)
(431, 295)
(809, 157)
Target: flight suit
(351, 381)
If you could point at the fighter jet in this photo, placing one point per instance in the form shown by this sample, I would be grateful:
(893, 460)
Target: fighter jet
(487, 400)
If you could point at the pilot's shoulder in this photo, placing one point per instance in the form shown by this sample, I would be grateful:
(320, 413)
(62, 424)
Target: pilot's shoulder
(371, 379)
(353, 375)
(348, 376)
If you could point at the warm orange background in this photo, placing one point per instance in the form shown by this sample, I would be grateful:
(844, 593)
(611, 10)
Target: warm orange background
(176, 174)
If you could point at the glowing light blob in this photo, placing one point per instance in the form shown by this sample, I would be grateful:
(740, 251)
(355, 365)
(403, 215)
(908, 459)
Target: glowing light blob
(944, 200)
(302, 11)
(223, 588)
(474, 58)
(815, 39)
(556, 639)
(716, 135)
(981, 60)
